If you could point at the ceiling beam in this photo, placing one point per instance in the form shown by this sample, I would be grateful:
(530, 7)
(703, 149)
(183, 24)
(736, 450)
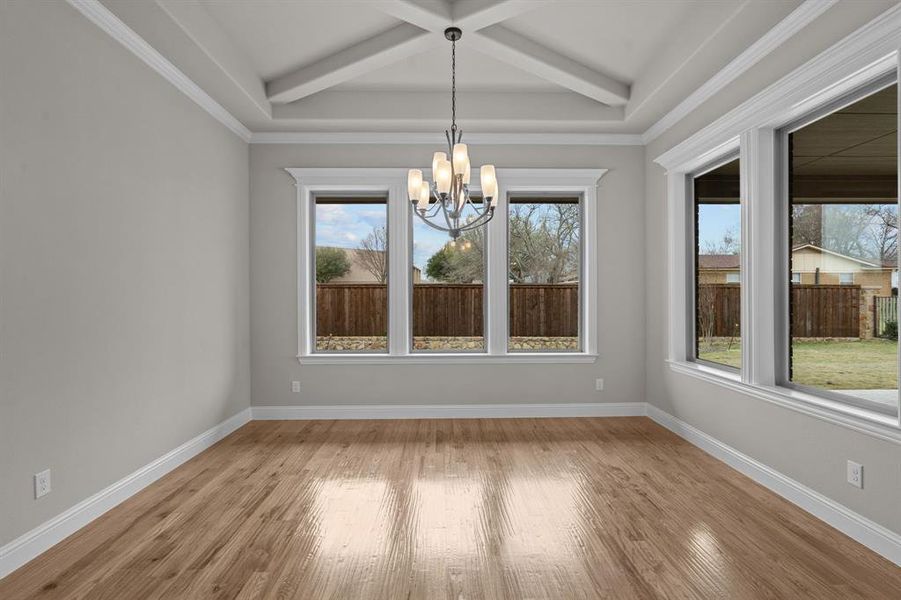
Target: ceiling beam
(215, 43)
(505, 45)
(427, 111)
(478, 14)
(371, 54)
(431, 15)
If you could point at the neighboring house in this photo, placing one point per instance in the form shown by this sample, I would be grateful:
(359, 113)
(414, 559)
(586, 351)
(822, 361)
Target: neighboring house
(359, 273)
(810, 265)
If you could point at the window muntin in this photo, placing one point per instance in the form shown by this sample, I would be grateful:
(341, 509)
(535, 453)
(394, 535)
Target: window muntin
(448, 303)
(717, 259)
(350, 274)
(843, 218)
(544, 262)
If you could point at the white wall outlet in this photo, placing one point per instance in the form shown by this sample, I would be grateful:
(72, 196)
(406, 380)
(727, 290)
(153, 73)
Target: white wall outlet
(295, 387)
(42, 483)
(855, 474)
(599, 385)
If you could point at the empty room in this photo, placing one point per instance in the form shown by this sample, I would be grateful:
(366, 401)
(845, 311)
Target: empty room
(450, 299)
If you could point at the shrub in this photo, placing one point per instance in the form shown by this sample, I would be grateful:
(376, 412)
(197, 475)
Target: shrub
(890, 330)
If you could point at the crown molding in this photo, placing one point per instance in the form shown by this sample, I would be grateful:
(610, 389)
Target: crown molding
(103, 18)
(860, 57)
(799, 18)
(429, 139)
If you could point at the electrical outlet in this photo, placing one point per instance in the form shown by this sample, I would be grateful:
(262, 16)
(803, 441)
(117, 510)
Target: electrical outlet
(42, 483)
(599, 385)
(855, 474)
(295, 387)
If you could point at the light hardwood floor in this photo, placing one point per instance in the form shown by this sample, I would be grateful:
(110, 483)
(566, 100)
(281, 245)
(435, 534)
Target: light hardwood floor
(463, 509)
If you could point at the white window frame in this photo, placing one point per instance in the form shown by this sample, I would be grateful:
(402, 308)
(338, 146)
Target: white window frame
(392, 181)
(856, 62)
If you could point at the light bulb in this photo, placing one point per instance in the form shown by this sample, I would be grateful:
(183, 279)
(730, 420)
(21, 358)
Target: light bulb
(461, 158)
(414, 183)
(424, 195)
(489, 183)
(443, 176)
(436, 158)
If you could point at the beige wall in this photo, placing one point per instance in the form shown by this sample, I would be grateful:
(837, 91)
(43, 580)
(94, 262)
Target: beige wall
(123, 263)
(804, 448)
(274, 290)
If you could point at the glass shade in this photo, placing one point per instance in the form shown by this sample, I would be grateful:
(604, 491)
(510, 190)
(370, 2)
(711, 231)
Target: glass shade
(461, 158)
(414, 183)
(424, 194)
(489, 183)
(436, 158)
(443, 176)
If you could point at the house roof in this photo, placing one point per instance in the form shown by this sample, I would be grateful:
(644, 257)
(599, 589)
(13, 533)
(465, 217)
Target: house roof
(866, 263)
(719, 261)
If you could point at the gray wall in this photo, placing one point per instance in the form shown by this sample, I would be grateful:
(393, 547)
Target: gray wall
(806, 449)
(274, 290)
(123, 263)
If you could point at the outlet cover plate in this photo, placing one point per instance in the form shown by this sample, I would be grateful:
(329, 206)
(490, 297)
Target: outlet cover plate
(855, 474)
(41, 483)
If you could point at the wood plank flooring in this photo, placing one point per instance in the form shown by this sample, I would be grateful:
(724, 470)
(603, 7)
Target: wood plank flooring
(460, 509)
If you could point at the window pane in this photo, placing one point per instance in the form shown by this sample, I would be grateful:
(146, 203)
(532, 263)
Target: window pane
(448, 288)
(544, 257)
(843, 190)
(351, 274)
(718, 265)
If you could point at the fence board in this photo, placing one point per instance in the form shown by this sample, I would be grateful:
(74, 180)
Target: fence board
(439, 309)
(817, 310)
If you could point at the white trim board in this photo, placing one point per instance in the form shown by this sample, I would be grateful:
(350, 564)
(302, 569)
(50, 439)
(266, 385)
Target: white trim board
(432, 139)
(103, 18)
(799, 18)
(874, 536)
(40, 539)
(450, 411)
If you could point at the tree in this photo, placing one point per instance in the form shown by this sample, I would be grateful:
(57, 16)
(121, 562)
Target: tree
(330, 264)
(730, 244)
(438, 267)
(544, 242)
(373, 253)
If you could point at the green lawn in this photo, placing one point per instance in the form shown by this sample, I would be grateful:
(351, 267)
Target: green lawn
(832, 365)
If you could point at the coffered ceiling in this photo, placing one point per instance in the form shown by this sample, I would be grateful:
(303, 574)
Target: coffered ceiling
(528, 66)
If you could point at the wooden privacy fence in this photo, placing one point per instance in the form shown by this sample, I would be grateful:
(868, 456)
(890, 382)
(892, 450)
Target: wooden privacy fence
(439, 309)
(886, 308)
(817, 310)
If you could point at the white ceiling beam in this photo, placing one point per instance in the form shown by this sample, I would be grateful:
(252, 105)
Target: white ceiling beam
(427, 111)
(371, 54)
(478, 14)
(431, 15)
(505, 45)
(215, 43)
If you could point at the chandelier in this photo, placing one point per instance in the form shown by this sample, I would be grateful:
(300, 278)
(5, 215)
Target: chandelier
(441, 203)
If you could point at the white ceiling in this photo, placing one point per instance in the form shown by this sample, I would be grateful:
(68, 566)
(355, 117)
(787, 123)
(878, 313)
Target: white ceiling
(567, 66)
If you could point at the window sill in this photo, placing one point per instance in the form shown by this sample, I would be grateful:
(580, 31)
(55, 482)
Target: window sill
(865, 421)
(444, 359)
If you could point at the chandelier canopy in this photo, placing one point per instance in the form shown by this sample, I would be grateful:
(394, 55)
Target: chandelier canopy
(441, 203)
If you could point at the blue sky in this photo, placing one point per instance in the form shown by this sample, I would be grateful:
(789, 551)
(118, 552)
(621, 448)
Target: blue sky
(344, 225)
(715, 220)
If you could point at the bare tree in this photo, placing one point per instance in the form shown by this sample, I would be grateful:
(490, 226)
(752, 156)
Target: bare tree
(372, 253)
(884, 231)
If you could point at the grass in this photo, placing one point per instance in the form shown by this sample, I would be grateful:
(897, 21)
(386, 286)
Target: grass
(830, 364)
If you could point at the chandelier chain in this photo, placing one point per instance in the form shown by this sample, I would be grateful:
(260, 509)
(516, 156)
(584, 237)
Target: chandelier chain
(454, 86)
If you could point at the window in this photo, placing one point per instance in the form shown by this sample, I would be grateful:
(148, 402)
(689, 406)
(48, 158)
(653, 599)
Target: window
(544, 270)
(351, 274)
(796, 277)
(375, 285)
(717, 259)
(448, 289)
(843, 227)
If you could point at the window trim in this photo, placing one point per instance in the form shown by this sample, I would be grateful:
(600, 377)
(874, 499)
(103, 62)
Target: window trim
(857, 61)
(310, 181)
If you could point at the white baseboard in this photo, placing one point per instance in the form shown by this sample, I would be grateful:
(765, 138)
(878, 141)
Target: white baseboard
(449, 411)
(40, 539)
(874, 536)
